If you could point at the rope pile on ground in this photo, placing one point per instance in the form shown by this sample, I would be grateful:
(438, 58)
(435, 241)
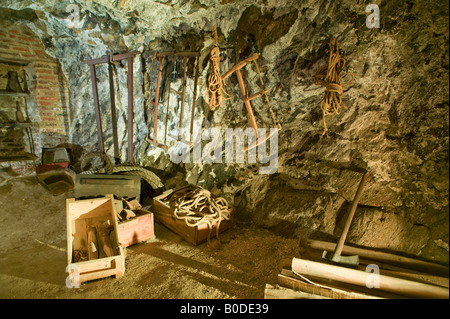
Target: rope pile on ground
(196, 206)
(330, 77)
(128, 169)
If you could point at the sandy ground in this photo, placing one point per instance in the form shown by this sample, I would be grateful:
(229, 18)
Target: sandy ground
(33, 256)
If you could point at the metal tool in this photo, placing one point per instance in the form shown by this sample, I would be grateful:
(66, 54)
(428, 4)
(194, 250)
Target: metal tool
(110, 59)
(161, 56)
(336, 256)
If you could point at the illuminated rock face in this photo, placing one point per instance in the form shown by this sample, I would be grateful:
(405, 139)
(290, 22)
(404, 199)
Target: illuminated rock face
(395, 123)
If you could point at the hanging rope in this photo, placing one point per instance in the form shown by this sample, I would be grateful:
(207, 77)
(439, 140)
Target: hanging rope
(214, 94)
(196, 206)
(330, 77)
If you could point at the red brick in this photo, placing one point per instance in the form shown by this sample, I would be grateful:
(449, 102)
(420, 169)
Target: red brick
(47, 77)
(21, 49)
(46, 98)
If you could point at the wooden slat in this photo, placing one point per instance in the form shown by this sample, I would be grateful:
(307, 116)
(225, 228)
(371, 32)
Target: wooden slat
(286, 279)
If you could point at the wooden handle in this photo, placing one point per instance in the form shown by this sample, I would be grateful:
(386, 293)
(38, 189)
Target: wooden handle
(351, 213)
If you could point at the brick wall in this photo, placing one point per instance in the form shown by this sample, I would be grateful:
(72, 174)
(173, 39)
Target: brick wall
(48, 102)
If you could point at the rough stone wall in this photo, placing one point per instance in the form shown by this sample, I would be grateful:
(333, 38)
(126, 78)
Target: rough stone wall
(395, 124)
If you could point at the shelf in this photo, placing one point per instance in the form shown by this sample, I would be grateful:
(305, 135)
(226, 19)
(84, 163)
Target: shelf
(14, 61)
(17, 124)
(8, 93)
(18, 157)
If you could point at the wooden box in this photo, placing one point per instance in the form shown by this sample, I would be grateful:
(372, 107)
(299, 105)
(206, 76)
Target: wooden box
(82, 214)
(194, 235)
(136, 229)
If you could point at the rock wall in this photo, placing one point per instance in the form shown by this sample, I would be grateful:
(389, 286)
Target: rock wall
(395, 123)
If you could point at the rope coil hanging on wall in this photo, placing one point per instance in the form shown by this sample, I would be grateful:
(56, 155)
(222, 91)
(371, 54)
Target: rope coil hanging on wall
(330, 76)
(215, 92)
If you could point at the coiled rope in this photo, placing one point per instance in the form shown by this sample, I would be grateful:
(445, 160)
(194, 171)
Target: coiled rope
(330, 77)
(128, 169)
(196, 206)
(215, 93)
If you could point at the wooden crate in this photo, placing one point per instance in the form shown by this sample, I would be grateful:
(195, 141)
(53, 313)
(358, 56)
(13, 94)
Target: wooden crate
(136, 229)
(80, 215)
(194, 235)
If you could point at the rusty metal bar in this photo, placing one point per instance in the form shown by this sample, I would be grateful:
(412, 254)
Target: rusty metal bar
(194, 97)
(101, 60)
(171, 53)
(123, 56)
(130, 108)
(183, 94)
(113, 113)
(97, 108)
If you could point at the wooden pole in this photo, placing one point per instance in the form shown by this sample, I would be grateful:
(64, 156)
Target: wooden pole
(351, 213)
(406, 262)
(361, 278)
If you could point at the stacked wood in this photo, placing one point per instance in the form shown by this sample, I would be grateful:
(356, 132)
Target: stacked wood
(393, 276)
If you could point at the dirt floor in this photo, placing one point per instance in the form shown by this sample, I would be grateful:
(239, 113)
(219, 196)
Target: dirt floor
(33, 256)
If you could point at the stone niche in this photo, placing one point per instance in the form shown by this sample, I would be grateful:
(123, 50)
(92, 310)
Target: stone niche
(34, 111)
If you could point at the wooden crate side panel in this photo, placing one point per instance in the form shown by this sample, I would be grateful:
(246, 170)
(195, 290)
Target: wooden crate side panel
(203, 230)
(100, 184)
(136, 230)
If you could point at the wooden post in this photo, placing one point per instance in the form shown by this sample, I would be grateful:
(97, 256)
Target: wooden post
(351, 213)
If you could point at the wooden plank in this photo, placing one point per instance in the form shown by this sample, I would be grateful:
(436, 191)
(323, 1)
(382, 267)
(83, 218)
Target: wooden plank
(356, 277)
(277, 292)
(286, 279)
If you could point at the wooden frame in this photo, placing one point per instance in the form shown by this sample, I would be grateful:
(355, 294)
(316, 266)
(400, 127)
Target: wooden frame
(247, 99)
